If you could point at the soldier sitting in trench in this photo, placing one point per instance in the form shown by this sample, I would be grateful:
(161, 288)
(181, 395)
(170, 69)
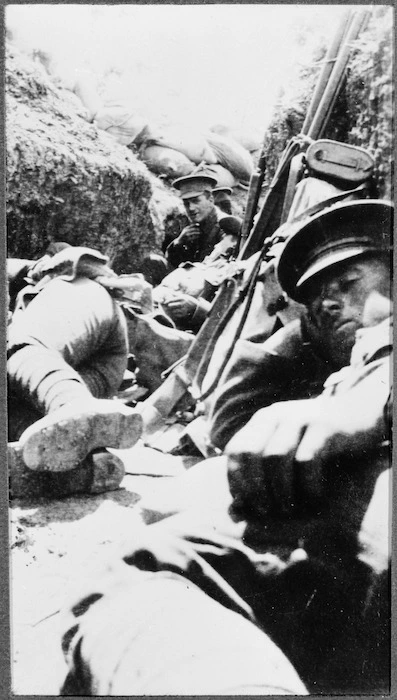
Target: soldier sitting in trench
(186, 294)
(197, 240)
(222, 199)
(309, 562)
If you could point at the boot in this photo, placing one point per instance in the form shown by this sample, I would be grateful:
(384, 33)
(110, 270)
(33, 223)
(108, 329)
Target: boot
(101, 471)
(61, 440)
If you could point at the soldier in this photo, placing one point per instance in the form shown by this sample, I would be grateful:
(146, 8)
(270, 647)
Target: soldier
(297, 359)
(222, 199)
(66, 356)
(188, 304)
(309, 562)
(199, 238)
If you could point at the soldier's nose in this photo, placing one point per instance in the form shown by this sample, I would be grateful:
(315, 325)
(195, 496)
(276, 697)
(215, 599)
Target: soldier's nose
(330, 306)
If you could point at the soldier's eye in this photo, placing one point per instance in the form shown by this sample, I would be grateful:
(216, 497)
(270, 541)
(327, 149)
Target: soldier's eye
(348, 282)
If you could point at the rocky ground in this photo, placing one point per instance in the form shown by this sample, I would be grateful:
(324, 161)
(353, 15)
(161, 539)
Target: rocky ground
(56, 546)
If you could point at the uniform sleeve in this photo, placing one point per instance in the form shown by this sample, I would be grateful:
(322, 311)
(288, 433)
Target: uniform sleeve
(178, 252)
(199, 315)
(255, 379)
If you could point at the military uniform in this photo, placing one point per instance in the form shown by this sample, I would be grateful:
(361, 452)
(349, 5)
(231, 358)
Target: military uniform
(183, 250)
(60, 350)
(288, 365)
(210, 234)
(67, 353)
(315, 582)
(318, 585)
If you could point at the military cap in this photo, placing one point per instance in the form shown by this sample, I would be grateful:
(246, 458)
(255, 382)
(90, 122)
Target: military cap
(194, 185)
(337, 233)
(222, 192)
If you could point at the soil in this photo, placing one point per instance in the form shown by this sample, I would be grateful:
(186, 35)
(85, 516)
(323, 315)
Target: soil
(57, 546)
(69, 181)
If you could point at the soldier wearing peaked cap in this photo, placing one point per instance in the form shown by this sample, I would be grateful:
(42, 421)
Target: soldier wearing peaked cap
(197, 239)
(332, 236)
(222, 199)
(336, 264)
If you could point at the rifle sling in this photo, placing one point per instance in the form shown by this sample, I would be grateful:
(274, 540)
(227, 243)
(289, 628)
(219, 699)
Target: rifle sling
(215, 329)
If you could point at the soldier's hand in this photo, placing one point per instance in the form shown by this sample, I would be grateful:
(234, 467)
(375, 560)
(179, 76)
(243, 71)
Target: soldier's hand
(277, 462)
(181, 306)
(189, 234)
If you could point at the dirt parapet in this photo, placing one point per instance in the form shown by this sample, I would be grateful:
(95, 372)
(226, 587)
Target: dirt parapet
(69, 181)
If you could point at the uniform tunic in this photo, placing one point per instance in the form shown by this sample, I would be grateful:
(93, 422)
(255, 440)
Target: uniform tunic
(316, 585)
(195, 251)
(286, 366)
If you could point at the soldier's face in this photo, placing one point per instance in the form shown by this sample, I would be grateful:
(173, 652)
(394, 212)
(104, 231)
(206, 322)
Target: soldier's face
(198, 208)
(348, 296)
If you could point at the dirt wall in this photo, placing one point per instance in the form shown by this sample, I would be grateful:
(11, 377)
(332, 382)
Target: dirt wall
(68, 181)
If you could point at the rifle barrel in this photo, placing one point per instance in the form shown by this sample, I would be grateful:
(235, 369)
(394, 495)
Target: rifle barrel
(324, 97)
(331, 92)
(328, 65)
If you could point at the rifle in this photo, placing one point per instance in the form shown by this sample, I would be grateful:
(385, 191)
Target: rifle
(254, 190)
(275, 207)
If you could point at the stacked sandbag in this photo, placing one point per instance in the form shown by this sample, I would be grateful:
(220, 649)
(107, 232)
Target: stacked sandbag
(250, 139)
(166, 161)
(169, 150)
(117, 116)
(186, 140)
(119, 119)
(232, 156)
(175, 151)
(223, 176)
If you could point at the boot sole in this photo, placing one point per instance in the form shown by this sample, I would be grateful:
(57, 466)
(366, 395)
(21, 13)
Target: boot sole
(99, 473)
(57, 445)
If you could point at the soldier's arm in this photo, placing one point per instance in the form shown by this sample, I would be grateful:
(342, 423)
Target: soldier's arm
(254, 379)
(290, 445)
(258, 374)
(180, 249)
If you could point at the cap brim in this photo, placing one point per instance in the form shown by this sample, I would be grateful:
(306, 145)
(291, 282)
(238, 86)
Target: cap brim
(222, 190)
(188, 195)
(331, 259)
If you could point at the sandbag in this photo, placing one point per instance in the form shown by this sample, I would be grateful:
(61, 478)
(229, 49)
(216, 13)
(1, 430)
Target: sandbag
(250, 139)
(223, 176)
(85, 88)
(191, 143)
(119, 119)
(166, 161)
(232, 156)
